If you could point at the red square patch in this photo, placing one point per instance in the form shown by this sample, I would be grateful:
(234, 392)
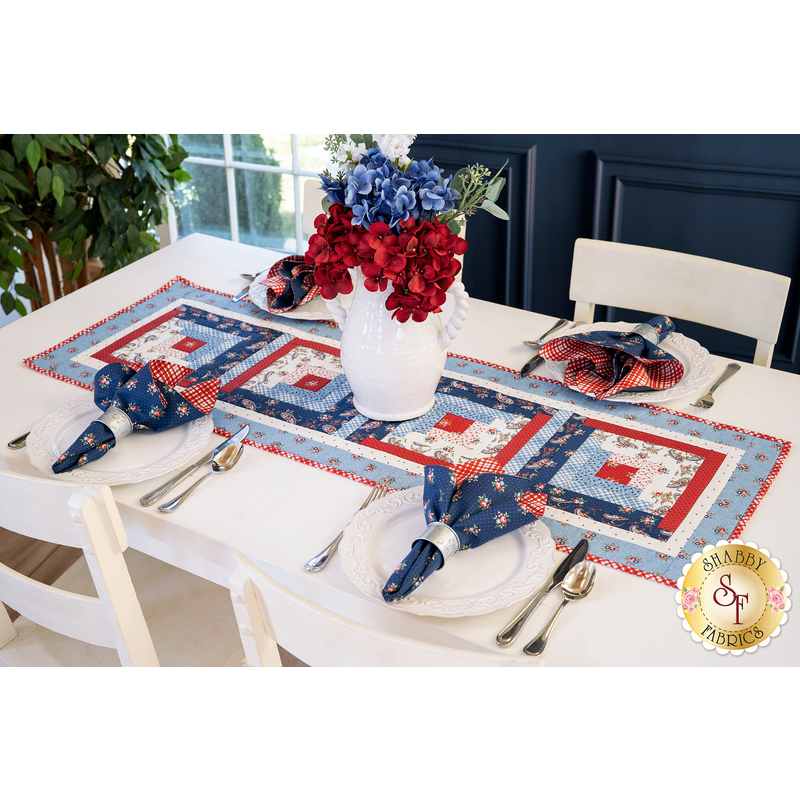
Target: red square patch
(619, 473)
(188, 345)
(453, 423)
(312, 383)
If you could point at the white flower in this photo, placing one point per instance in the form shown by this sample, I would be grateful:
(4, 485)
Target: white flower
(349, 154)
(395, 146)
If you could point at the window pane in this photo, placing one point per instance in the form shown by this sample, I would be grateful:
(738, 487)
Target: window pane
(202, 203)
(315, 197)
(204, 145)
(274, 149)
(312, 155)
(265, 203)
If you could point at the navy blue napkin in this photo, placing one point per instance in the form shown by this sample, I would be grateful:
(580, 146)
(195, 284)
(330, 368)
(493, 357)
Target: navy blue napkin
(148, 397)
(477, 503)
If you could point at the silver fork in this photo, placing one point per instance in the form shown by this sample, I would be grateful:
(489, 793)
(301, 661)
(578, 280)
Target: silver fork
(321, 559)
(706, 401)
(540, 341)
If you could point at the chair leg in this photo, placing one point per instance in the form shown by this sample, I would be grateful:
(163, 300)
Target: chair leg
(7, 629)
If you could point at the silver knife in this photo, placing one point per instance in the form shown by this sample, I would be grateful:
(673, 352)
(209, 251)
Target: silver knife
(534, 362)
(157, 494)
(512, 630)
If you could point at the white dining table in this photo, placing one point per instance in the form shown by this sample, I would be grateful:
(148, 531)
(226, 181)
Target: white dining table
(280, 512)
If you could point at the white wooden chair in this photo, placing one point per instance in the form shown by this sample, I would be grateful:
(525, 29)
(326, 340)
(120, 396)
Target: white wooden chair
(270, 614)
(726, 296)
(177, 618)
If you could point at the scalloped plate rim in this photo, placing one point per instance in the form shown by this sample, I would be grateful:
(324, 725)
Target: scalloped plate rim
(672, 344)
(359, 569)
(43, 434)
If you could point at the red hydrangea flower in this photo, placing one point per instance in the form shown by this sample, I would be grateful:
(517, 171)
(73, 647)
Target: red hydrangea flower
(418, 258)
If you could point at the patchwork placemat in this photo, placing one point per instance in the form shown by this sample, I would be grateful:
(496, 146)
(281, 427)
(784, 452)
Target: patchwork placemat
(647, 486)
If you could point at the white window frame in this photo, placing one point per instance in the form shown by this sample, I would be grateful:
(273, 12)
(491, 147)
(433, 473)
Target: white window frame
(229, 164)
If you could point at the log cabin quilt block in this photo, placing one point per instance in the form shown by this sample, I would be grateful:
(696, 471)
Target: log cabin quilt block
(648, 487)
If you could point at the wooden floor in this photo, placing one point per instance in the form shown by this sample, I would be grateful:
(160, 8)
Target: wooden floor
(38, 560)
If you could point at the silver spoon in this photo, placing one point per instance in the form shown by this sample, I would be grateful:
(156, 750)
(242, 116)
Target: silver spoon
(222, 462)
(19, 442)
(578, 582)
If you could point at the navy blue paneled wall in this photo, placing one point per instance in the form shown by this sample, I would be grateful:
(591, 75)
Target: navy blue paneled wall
(730, 197)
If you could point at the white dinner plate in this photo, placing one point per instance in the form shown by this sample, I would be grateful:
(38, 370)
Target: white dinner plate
(698, 366)
(137, 457)
(471, 582)
(313, 309)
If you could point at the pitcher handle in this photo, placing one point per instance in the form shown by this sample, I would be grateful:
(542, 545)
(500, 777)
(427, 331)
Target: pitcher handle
(338, 312)
(456, 321)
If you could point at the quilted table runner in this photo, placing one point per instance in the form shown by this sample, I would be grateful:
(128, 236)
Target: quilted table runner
(647, 486)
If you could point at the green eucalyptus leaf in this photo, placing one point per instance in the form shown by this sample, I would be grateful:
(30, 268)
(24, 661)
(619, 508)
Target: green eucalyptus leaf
(495, 187)
(33, 152)
(458, 180)
(7, 161)
(4, 207)
(7, 302)
(58, 189)
(23, 290)
(64, 247)
(494, 210)
(12, 181)
(20, 308)
(5, 281)
(19, 142)
(181, 175)
(44, 181)
(454, 227)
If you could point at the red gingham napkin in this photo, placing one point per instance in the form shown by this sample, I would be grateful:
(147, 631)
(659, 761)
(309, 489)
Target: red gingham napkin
(604, 363)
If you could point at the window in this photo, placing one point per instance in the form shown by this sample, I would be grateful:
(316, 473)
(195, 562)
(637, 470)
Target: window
(248, 187)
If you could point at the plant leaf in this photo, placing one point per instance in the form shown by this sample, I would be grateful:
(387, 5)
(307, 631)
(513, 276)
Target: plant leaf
(58, 189)
(8, 179)
(44, 180)
(495, 187)
(23, 290)
(7, 302)
(494, 210)
(51, 142)
(19, 141)
(33, 152)
(458, 180)
(15, 258)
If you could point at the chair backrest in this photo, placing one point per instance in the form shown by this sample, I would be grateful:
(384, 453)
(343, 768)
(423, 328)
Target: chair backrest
(269, 614)
(84, 517)
(726, 296)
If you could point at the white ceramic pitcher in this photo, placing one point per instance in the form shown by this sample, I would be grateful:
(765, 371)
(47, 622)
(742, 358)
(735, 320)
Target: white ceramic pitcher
(393, 367)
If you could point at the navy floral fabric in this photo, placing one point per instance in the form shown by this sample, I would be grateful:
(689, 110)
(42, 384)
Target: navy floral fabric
(478, 508)
(151, 404)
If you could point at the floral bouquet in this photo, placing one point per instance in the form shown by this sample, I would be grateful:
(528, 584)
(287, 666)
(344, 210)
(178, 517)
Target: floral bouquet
(398, 220)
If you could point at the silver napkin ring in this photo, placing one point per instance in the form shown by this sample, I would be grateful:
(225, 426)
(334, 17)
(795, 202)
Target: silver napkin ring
(646, 332)
(118, 422)
(443, 537)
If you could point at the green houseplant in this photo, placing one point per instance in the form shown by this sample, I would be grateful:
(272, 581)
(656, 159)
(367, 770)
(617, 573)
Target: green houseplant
(70, 200)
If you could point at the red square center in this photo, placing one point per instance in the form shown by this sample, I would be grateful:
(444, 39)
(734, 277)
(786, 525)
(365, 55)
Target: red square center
(453, 423)
(188, 345)
(619, 473)
(312, 383)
